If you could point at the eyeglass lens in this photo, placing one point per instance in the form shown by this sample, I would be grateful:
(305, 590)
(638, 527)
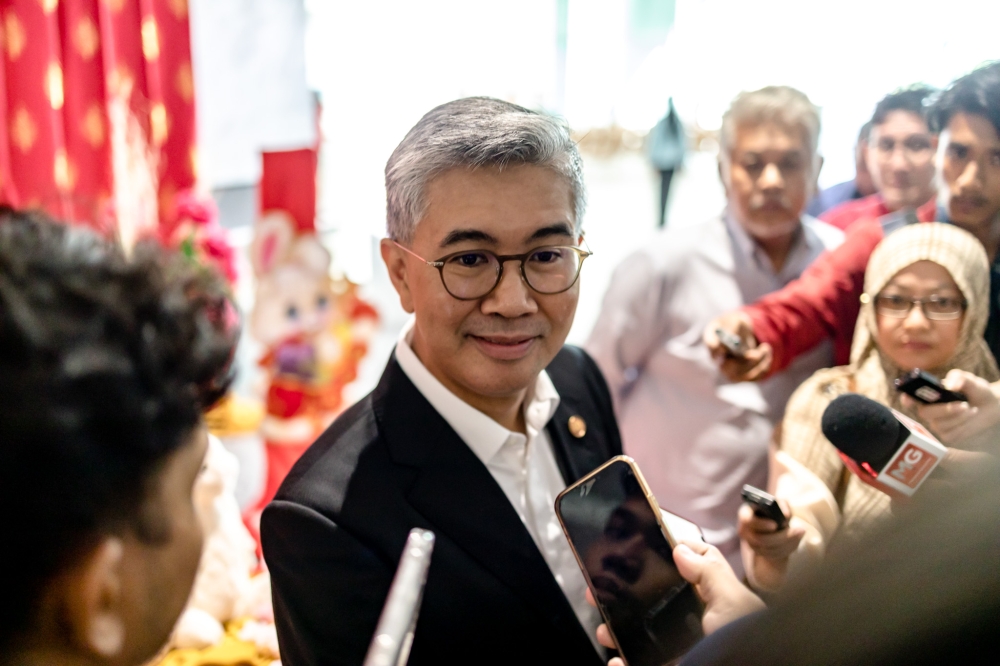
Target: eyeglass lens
(912, 147)
(473, 274)
(935, 307)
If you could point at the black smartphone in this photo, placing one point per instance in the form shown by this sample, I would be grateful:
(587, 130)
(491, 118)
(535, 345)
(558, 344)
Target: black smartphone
(625, 550)
(927, 388)
(732, 343)
(764, 505)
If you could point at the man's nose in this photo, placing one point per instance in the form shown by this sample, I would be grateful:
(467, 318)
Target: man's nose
(969, 175)
(512, 297)
(898, 160)
(770, 178)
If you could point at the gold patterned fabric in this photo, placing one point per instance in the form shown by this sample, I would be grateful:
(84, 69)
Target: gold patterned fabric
(872, 374)
(230, 651)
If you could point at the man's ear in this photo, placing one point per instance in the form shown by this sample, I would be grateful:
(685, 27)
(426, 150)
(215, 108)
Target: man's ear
(395, 263)
(723, 175)
(95, 605)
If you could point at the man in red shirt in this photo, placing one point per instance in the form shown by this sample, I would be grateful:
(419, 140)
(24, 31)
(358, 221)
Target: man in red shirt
(899, 152)
(824, 301)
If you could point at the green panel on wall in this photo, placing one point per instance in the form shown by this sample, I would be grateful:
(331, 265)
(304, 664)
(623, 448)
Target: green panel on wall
(651, 17)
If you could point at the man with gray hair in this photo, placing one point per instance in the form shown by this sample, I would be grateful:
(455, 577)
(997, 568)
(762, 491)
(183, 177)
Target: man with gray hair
(697, 438)
(481, 417)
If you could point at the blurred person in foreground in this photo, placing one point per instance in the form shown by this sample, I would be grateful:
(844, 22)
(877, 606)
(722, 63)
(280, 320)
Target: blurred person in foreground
(697, 438)
(859, 187)
(824, 302)
(925, 306)
(107, 363)
(481, 417)
(900, 150)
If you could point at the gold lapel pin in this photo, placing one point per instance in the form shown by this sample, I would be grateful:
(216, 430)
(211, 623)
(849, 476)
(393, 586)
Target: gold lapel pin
(577, 426)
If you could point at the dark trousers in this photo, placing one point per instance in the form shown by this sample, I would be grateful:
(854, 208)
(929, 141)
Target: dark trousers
(665, 178)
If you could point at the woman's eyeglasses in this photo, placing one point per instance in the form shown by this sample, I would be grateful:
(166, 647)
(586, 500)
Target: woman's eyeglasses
(939, 308)
(472, 274)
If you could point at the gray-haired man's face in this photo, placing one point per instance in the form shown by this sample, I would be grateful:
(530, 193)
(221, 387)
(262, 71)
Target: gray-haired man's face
(769, 178)
(493, 347)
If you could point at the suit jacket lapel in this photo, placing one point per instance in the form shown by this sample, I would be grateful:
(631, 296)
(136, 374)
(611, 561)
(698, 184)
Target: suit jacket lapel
(578, 381)
(575, 455)
(458, 496)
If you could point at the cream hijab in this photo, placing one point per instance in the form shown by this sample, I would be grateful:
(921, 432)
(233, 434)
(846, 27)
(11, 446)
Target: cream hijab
(872, 374)
(965, 259)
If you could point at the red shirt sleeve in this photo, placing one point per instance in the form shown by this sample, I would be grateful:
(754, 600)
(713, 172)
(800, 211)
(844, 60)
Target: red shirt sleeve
(849, 212)
(822, 303)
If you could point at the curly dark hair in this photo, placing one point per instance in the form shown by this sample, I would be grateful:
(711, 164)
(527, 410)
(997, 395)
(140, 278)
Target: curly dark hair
(976, 93)
(107, 363)
(915, 99)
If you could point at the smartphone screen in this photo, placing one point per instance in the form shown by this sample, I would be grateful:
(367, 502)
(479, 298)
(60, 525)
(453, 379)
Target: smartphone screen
(653, 613)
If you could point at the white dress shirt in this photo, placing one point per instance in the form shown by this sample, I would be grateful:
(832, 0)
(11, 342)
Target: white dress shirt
(523, 466)
(697, 437)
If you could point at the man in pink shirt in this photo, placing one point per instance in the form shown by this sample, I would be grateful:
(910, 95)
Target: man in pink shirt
(824, 302)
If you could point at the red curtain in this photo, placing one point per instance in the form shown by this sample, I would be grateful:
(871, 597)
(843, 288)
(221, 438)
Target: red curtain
(97, 103)
(288, 183)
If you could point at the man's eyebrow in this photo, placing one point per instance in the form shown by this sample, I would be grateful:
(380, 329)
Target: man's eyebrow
(557, 229)
(462, 235)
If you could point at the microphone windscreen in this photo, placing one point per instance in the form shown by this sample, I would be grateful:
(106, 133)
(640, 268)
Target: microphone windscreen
(863, 429)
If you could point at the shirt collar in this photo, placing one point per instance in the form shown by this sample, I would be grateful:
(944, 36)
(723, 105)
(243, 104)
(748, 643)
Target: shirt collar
(480, 433)
(804, 242)
(744, 243)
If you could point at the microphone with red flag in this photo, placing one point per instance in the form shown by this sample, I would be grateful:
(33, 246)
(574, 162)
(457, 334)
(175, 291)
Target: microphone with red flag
(887, 450)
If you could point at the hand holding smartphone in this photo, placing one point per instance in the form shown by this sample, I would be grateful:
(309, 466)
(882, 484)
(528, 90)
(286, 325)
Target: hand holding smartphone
(625, 549)
(927, 388)
(764, 505)
(732, 343)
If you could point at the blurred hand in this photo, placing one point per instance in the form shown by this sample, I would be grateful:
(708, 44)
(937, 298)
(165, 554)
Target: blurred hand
(960, 467)
(763, 536)
(756, 360)
(956, 471)
(726, 598)
(967, 425)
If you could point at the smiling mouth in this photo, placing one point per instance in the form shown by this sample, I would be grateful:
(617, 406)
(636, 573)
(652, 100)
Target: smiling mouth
(504, 347)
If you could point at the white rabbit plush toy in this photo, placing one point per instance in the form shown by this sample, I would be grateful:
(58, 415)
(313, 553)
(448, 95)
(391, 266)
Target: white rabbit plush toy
(293, 317)
(224, 588)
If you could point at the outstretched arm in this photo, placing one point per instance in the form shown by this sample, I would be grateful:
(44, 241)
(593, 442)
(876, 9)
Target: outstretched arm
(822, 303)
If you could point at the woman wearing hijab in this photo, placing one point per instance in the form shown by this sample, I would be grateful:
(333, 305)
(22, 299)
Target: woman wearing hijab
(925, 305)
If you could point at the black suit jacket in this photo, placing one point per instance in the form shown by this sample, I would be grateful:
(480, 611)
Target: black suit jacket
(334, 533)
